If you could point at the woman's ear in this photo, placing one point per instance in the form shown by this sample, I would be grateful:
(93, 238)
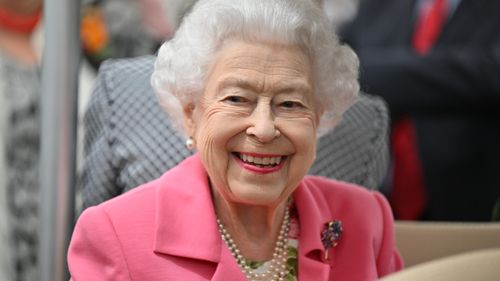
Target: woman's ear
(189, 119)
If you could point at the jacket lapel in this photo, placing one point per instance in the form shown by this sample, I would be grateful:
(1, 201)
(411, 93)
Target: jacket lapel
(314, 212)
(184, 209)
(227, 267)
(186, 222)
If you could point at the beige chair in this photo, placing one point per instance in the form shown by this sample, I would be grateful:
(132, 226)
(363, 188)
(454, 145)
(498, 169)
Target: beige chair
(424, 241)
(481, 265)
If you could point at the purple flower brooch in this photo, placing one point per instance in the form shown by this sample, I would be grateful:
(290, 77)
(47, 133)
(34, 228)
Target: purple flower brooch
(331, 234)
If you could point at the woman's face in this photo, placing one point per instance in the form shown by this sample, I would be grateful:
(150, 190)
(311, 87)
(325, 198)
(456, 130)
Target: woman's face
(255, 124)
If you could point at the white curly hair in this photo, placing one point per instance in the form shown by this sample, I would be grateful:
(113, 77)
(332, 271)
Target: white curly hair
(183, 63)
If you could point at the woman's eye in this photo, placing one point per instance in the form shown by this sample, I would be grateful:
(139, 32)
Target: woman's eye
(235, 99)
(291, 104)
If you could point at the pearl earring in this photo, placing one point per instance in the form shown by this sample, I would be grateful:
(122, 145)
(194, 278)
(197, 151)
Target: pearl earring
(190, 143)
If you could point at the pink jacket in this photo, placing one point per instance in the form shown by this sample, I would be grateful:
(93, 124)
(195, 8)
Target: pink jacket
(167, 230)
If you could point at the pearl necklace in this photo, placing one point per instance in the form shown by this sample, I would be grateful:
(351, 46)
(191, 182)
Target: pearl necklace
(278, 267)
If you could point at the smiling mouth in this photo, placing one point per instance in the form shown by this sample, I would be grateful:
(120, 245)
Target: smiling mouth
(260, 161)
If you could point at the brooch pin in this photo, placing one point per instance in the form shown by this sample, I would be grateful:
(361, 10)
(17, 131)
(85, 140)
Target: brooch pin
(331, 234)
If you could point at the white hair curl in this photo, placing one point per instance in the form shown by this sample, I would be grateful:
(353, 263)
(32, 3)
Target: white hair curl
(182, 65)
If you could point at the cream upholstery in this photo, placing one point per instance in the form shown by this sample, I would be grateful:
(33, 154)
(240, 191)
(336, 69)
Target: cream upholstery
(424, 241)
(481, 265)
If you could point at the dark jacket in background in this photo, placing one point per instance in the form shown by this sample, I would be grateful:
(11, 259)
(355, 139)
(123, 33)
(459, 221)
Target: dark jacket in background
(452, 94)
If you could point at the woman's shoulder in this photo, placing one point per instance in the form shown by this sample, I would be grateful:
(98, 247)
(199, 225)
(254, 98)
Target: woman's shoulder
(331, 187)
(139, 202)
(343, 196)
(143, 199)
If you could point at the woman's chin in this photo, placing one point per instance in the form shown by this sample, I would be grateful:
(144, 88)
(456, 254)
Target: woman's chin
(257, 198)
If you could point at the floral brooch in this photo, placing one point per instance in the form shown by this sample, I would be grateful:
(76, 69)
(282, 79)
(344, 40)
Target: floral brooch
(331, 234)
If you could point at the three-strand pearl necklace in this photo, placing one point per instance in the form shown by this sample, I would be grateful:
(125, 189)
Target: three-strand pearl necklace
(277, 269)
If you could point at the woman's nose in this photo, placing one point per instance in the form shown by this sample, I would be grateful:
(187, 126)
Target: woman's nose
(262, 125)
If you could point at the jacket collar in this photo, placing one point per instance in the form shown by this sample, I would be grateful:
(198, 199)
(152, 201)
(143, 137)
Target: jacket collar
(186, 221)
(185, 218)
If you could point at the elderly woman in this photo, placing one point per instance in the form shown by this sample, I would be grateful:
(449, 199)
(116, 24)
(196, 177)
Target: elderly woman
(252, 84)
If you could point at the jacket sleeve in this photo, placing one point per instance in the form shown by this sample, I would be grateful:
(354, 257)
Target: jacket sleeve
(447, 78)
(95, 252)
(97, 179)
(388, 259)
(356, 150)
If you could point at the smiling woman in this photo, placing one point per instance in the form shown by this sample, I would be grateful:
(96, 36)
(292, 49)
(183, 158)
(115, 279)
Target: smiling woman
(266, 117)
(251, 84)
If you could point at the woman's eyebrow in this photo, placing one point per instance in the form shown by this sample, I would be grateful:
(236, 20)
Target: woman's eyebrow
(295, 85)
(238, 82)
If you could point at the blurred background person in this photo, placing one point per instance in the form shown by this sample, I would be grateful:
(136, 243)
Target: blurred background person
(19, 135)
(437, 64)
(128, 28)
(112, 29)
(5, 258)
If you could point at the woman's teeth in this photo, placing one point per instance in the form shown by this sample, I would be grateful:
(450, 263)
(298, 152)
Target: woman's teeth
(260, 160)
